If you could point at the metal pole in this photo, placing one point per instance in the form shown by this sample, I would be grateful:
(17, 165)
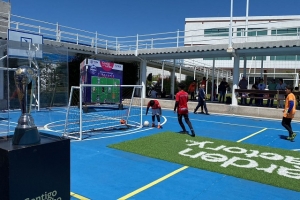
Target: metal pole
(180, 73)
(230, 27)
(212, 82)
(162, 78)
(194, 72)
(177, 38)
(247, 11)
(96, 42)
(261, 67)
(137, 44)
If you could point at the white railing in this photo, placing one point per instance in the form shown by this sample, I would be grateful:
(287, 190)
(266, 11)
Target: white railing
(175, 39)
(61, 33)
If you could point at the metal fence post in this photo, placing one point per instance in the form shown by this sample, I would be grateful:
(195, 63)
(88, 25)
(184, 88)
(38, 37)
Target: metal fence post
(57, 32)
(137, 44)
(116, 43)
(177, 37)
(96, 42)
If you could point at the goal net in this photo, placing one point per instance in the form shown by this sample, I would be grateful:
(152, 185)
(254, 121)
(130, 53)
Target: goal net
(95, 109)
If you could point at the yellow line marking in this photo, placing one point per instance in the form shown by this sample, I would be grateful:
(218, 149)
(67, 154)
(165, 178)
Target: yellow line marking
(245, 138)
(78, 196)
(160, 179)
(152, 183)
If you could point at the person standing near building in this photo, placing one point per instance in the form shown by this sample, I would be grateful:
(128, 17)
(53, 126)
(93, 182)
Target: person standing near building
(156, 111)
(182, 109)
(243, 84)
(222, 90)
(289, 112)
(272, 86)
(203, 82)
(215, 92)
(192, 89)
(201, 101)
(261, 86)
(280, 86)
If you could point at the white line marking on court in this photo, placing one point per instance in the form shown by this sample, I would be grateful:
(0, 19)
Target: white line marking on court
(115, 134)
(295, 149)
(249, 136)
(226, 123)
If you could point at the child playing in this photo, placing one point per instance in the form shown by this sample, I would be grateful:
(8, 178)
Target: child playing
(156, 111)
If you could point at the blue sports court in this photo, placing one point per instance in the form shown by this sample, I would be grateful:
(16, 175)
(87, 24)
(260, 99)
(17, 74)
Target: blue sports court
(99, 172)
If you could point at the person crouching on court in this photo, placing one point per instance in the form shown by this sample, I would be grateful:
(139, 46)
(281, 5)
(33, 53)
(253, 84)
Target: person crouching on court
(156, 111)
(182, 109)
(289, 112)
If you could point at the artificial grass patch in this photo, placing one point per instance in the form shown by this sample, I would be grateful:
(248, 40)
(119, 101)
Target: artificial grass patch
(277, 167)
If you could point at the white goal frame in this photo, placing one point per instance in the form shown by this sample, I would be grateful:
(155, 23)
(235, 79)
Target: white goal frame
(81, 88)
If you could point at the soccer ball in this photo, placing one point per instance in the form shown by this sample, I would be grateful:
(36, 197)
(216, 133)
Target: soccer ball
(122, 121)
(146, 123)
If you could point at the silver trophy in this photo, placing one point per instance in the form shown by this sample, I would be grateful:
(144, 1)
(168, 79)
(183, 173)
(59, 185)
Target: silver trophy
(26, 132)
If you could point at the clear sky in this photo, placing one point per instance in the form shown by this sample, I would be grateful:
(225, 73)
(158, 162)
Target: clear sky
(131, 17)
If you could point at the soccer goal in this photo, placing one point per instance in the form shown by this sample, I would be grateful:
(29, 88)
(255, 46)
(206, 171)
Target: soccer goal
(95, 109)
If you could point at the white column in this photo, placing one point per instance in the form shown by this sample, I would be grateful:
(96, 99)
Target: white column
(245, 67)
(218, 74)
(230, 25)
(236, 71)
(212, 81)
(180, 73)
(162, 78)
(206, 81)
(173, 81)
(143, 71)
(261, 67)
(247, 11)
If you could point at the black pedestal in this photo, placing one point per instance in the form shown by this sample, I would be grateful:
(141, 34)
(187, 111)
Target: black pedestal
(37, 171)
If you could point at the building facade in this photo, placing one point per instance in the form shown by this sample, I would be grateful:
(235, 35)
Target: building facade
(215, 30)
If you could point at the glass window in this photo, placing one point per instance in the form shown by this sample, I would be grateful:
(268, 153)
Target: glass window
(287, 57)
(220, 58)
(252, 32)
(255, 58)
(290, 32)
(216, 32)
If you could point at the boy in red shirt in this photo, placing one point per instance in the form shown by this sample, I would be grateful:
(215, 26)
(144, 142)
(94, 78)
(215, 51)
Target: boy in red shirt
(289, 112)
(182, 109)
(156, 111)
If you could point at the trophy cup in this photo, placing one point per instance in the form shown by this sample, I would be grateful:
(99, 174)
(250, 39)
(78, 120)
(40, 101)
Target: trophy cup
(26, 132)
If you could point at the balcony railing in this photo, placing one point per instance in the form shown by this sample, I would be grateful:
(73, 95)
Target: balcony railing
(173, 39)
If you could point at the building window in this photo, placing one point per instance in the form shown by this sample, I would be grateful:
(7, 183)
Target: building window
(287, 58)
(255, 58)
(220, 58)
(288, 32)
(216, 32)
(252, 32)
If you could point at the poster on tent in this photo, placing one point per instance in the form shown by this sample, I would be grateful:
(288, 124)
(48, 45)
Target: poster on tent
(100, 72)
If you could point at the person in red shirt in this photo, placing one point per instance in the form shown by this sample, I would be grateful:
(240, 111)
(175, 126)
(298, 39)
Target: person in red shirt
(192, 89)
(156, 111)
(203, 82)
(182, 109)
(289, 112)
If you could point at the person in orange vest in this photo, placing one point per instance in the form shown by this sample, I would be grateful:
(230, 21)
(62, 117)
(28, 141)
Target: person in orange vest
(192, 89)
(289, 112)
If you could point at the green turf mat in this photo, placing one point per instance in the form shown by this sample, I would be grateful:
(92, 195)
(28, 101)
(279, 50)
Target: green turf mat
(277, 167)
